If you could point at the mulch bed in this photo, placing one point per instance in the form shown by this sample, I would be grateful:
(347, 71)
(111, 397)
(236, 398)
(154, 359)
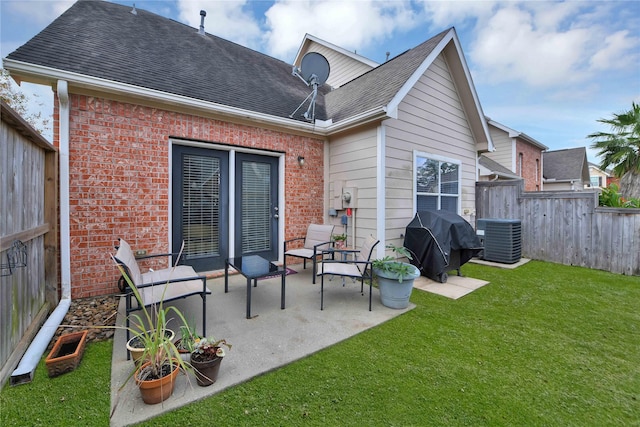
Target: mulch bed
(86, 312)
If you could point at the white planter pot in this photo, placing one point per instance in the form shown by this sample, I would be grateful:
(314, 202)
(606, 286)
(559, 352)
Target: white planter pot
(394, 294)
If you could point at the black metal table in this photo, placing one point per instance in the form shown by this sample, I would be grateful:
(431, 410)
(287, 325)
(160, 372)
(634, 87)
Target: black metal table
(254, 267)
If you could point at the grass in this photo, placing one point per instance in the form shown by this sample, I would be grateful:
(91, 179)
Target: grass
(544, 344)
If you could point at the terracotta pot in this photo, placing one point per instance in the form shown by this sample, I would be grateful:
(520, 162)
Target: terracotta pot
(66, 353)
(157, 390)
(206, 371)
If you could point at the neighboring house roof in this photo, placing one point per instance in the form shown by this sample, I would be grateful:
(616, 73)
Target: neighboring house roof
(596, 168)
(494, 168)
(517, 134)
(97, 44)
(565, 165)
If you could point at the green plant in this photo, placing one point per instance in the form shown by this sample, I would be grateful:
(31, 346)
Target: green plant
(188, 337)
(392, 266)
(208, 348)
(159, 351)
(339, 237)
(611, 197)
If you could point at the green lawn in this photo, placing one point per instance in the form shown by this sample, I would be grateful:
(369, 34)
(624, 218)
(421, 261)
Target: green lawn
(544, 344)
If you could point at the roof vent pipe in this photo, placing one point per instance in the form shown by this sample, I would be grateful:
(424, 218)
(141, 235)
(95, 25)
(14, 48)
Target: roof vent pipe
(134, 11)
(202, 15)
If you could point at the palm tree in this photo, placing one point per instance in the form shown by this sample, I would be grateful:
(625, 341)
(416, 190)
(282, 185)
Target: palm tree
(621, 149)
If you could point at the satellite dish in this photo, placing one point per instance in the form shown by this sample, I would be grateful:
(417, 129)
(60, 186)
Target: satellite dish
(313, 71)
(314, 64)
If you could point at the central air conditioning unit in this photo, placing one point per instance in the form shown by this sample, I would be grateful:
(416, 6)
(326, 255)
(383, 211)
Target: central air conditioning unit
(501, 238)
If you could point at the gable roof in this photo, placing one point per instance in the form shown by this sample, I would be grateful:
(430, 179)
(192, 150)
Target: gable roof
(495, 168)
(107, 41)
(104, 46)
(517, 134)
(308, 38)
(563, 165)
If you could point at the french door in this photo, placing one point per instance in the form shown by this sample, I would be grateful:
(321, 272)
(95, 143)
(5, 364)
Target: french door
(256, 206)
(202, 205)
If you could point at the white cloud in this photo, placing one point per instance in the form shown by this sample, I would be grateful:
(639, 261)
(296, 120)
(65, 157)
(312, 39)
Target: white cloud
(231, 20)
(616, 53)
(353, 25)
(444, 14)
(36, 12)
(551, 44)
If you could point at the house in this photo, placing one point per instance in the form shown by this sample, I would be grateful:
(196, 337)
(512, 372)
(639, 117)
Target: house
(516, 155)
(566, 170)
(169, 134)
(598, 177)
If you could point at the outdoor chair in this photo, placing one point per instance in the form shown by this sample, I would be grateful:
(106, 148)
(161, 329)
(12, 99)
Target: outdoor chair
(168, 284)
(317, 240)
(349, 263)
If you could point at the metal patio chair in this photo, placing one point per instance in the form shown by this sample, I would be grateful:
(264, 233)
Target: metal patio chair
(356, 264)
(317, 240)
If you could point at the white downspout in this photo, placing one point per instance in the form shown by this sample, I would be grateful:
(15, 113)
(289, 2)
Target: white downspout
(24, 372)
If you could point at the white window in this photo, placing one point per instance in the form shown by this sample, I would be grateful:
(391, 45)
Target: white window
(437, 183)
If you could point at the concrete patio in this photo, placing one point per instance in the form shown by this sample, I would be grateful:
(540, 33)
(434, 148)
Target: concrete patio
(271, 339)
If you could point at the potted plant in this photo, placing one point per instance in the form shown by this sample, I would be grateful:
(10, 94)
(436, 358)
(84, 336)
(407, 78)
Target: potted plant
(206, 358)
(136, 344)
(160, 362)
(340, 241)
(395, 278)
(187, 341)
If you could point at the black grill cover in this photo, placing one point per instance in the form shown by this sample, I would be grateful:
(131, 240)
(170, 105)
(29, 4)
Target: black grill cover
(440, 241)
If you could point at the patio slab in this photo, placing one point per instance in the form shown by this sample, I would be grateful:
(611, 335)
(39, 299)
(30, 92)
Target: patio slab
(271, 339)
(456, 286)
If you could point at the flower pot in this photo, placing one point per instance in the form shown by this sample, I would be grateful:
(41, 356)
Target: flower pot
(394, 294)
(184, 354)
(157, 390)
(66, 353)
(207, 370)
(135, 348)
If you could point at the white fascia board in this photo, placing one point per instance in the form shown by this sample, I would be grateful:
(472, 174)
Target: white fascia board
(472, 88)
(516, 134)
(322, 128)
(411, 81)
(109, 86)
(334, 47)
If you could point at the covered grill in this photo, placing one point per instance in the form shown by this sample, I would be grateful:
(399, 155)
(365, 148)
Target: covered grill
(441, 241)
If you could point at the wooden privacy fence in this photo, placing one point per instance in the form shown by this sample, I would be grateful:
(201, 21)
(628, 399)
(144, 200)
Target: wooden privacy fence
(566, 227)
(28, 228)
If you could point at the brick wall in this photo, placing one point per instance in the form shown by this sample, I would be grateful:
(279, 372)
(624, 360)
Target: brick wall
(531, 159)
(119, 180)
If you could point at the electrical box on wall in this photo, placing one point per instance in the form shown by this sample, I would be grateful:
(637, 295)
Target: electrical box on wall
(349, 197)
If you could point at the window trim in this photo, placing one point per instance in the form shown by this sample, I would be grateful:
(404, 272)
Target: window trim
(439, 158)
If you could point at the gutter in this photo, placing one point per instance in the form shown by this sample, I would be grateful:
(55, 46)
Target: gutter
(46, 75)
(24, 372)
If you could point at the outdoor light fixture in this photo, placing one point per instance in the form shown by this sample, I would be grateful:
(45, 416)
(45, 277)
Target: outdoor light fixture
(301, 160)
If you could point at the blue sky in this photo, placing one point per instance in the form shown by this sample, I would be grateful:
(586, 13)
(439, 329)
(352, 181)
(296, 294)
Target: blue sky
(548, 69)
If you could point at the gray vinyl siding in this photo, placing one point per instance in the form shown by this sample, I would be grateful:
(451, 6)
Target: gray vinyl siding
(352, 160)
(431, 119)
(342, 68)
(504, 148)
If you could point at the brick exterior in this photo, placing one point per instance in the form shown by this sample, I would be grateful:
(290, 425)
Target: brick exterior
(530, 153)
(119, 179)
